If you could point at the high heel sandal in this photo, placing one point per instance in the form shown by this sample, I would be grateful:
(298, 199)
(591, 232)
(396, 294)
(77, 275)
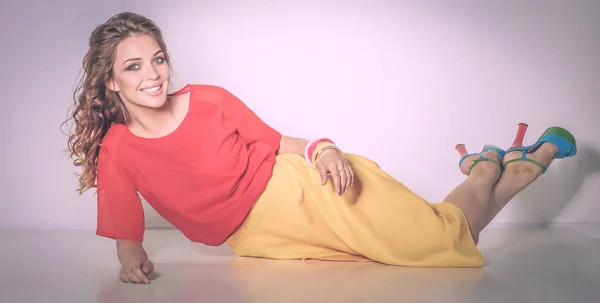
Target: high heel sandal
(462, 150)
(559, 136)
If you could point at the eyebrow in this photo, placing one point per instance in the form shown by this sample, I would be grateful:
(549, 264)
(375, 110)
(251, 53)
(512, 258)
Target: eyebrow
(133, 59)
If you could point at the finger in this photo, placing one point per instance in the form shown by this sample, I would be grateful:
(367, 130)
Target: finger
(131, 267)
(140, 275)
(335, 174)
(123, 276)
(323, 172)
(132, 278)
(351, 172)
(343, 178)
(148, 266)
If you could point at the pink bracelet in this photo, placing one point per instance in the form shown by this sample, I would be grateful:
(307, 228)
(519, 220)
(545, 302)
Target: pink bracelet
(310, 149)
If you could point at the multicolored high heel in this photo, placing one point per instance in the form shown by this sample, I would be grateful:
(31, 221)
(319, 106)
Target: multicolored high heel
(462, 150)
(562, 138)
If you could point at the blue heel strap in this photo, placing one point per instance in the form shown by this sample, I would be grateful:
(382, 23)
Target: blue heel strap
(467, 155)
(565, 148)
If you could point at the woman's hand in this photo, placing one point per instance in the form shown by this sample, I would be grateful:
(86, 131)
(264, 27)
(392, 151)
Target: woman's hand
(135, 265)
(332, 162)
(136, 269)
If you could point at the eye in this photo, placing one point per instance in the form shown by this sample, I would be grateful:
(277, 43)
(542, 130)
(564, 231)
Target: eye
(133, 67)
(160, 60)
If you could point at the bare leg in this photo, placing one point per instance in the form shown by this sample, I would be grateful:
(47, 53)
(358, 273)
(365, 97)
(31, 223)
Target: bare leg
(472, 195)
(516, 177)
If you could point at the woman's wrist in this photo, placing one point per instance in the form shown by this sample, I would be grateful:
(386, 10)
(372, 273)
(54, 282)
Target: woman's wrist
(316, 147)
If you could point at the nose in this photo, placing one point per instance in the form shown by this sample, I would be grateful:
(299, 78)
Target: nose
(153, 73)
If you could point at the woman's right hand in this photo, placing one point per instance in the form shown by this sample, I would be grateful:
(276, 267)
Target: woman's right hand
(135, 270)
(135, 265)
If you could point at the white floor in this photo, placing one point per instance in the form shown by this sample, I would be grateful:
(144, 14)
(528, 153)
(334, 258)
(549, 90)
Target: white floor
(522, 265)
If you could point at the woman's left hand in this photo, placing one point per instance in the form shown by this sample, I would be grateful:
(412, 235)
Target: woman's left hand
(332, 162)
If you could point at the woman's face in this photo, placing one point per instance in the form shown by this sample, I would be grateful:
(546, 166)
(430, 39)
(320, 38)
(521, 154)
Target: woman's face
(140, 72)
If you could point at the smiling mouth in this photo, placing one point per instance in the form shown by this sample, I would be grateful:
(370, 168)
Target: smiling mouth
(152, 89)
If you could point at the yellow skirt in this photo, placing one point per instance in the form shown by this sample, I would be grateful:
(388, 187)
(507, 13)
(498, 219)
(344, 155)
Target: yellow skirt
(378, 219)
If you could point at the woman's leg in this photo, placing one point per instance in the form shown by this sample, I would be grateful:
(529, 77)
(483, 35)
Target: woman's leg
(524, 164)
(516, 177)
(378, 219)
(472, 196)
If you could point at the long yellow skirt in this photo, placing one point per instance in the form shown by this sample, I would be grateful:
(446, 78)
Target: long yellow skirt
(378, 219)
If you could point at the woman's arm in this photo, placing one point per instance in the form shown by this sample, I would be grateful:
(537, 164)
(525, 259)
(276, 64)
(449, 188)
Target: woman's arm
(330, 162)
(292, 145)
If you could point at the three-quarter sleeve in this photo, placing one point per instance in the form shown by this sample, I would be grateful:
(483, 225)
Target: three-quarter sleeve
(120, 212)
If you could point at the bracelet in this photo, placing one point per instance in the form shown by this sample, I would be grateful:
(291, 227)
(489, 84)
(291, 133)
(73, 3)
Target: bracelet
(326, 148)
(316, 143)
(319, 149)
(310, 149)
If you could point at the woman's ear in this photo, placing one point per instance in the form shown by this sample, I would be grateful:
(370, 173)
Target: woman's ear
(112, 85)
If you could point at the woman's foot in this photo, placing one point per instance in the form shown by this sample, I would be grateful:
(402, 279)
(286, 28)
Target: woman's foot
(486, 167)
(555, 142)
(542, 155)
(517, 176)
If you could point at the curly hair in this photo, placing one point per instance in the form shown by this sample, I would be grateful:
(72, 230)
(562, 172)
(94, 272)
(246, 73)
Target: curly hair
(95, 106)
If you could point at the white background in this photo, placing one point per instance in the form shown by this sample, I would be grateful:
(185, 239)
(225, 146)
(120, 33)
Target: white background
(401, 82)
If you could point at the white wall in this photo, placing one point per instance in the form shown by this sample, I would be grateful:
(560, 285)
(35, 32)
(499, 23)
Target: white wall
(398, 81)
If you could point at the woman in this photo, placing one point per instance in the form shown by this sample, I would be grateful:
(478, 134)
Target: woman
(218, 173)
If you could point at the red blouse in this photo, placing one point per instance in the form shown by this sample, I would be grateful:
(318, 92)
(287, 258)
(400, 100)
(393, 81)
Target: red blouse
(203, 178)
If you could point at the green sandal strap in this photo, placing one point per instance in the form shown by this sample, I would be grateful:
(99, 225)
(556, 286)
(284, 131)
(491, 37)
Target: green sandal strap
(482, 159)
(542, 166)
